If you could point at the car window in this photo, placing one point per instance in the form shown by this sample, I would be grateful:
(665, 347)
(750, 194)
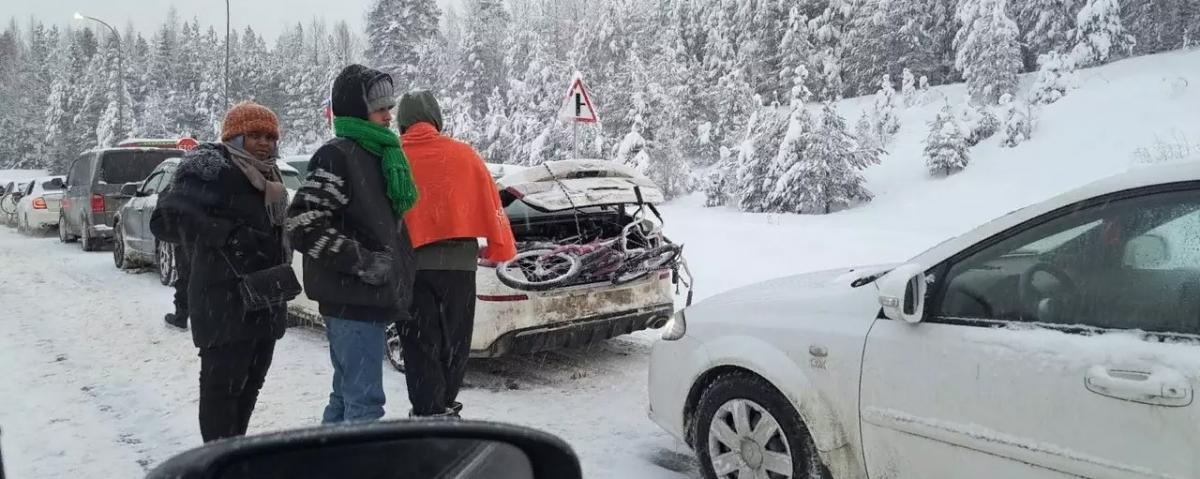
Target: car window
(119, 167)
(49, 185)
(152, 184)
(291, 179)
(1126, 264)
(80, 170)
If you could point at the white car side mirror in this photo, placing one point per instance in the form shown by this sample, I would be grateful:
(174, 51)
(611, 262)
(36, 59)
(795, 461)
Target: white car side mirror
(902, 293)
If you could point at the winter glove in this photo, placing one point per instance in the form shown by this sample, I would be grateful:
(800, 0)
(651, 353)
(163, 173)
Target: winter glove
(375, 269)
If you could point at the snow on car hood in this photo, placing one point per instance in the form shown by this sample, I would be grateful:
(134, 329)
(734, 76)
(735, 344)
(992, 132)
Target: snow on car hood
(561, 185)
(814, 290)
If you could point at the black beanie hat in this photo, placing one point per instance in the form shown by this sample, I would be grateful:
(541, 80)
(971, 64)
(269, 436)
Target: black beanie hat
(419, 107)
(358, 91)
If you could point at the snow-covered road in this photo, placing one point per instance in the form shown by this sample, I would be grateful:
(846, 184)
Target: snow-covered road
(93, 385)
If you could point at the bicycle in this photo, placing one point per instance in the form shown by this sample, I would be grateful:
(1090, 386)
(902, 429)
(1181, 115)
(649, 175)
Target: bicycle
(637, 252)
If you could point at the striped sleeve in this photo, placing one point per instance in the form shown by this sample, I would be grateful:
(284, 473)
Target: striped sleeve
(310, 224)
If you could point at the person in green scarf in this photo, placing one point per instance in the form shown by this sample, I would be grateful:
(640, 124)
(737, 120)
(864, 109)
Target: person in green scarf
(348, 222)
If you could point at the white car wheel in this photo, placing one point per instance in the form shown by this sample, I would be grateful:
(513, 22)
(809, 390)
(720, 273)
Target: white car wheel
(747, 429)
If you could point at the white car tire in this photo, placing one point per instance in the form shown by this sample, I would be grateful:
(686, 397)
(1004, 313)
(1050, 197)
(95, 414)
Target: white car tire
(63, 235)
(762, 435)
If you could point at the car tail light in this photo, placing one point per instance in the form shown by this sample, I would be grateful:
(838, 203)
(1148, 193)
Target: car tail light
(664, 274)
(97, 204)
(503, 298)
(39, 203)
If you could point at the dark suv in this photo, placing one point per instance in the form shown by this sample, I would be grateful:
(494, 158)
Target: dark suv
(93, 194)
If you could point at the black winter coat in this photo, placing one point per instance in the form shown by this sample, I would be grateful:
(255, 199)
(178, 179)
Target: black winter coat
(339, 218)
(214, 209)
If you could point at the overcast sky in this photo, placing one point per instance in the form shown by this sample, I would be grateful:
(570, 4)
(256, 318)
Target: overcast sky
(267, 17)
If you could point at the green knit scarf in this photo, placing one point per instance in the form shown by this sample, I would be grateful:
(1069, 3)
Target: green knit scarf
(380, 141)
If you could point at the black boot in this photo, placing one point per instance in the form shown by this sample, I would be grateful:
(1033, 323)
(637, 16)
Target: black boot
(176, 321)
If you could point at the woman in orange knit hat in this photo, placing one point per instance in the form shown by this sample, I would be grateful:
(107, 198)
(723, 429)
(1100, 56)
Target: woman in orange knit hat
(226, 205)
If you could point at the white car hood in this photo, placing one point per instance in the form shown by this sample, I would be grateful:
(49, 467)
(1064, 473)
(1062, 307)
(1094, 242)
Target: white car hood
(816, 292)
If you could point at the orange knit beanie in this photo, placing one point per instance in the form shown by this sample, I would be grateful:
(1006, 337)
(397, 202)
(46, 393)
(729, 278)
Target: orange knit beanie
(249, 117)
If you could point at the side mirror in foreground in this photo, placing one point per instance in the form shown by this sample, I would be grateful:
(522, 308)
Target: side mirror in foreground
(902, 293)
(426, 449)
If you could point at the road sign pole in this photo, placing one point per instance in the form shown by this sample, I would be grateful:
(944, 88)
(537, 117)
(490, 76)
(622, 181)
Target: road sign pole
(575, 140)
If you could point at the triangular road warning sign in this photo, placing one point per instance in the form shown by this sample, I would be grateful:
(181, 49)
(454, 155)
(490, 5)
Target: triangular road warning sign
(577, 106)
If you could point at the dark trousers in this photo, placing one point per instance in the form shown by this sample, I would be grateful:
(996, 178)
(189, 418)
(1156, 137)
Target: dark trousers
(230, 377)
(437, 340)
(183, 271)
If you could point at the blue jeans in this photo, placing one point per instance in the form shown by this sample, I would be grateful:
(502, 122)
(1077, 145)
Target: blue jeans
(356, 349)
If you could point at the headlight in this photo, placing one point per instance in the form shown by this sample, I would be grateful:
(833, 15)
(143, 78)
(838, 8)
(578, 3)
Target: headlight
(676, 328)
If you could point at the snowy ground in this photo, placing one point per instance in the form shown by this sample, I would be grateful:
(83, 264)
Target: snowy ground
(96, 386)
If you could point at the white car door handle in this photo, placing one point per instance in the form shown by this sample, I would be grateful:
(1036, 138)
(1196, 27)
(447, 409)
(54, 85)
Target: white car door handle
(1162, 387)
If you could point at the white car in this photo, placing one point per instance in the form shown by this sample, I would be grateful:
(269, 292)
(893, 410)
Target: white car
(1059, 341)
(553, 202)
(38, 204)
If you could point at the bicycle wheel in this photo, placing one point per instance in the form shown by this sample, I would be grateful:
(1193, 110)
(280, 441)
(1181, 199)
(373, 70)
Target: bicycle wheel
(639, 265)
(538, 270)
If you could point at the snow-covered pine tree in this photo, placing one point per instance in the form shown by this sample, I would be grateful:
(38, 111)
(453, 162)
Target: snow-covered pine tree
(946, 150)
(1018, 126)
(908, 87)
(886, 122)
(111, 128)
(988, 53)
(91, 93)
(1046, 26)
(755, 156)
(795, 47)
(825, 167)
(482, 66)
(864, 131)
(395, 29)
(976, 121)
(1054, 79)
(1100, 33)
(57, 132)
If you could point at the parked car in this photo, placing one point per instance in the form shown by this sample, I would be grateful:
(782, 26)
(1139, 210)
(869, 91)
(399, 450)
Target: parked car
(94, 190)
(1045, 344)
(8, 202)
(509, 321)
(38, 204)
(134, 245)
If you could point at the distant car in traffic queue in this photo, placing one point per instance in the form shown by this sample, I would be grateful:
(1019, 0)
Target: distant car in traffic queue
(134, 245)
(95, 182)
(8, 201)
(38, 204)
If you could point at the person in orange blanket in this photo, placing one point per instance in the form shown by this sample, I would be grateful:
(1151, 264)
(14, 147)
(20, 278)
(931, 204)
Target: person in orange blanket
(458, 205)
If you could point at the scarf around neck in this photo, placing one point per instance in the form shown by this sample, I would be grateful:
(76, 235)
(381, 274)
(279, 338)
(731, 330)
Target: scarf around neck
(265, 176)
(384, 143)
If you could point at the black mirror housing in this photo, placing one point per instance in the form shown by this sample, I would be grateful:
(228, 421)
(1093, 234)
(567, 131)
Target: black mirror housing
(130, 189)
(387, 449)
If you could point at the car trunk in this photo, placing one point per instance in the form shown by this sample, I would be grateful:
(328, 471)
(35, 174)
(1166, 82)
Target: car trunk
(574, 202)
(53, 200)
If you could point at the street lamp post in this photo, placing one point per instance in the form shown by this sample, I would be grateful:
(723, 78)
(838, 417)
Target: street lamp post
(120, 66)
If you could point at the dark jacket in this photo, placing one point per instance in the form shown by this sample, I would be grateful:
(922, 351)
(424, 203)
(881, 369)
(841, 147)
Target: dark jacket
(213, 208)
(338, 219)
